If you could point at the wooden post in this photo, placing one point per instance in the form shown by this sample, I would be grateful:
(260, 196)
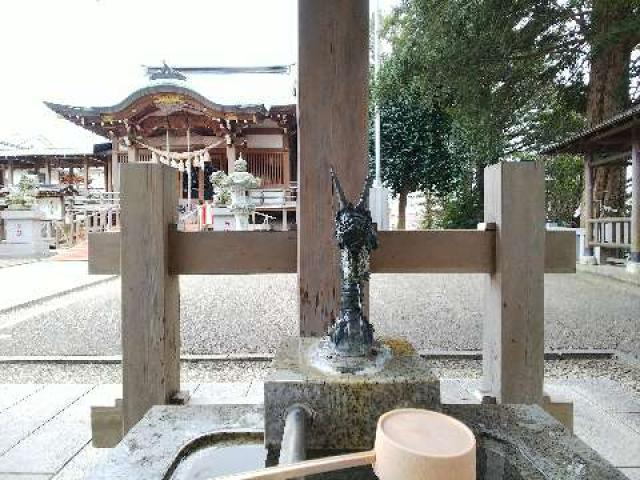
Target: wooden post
(286, 170)
(513, 333)
(201, 184)
(634, 256)
(115, 166)
(47, 172)
(10, 175)
(333, 61)
(588, 204)
(132, 153)
(86, 176)
(231, 158)
(150, 296)
(107, 177)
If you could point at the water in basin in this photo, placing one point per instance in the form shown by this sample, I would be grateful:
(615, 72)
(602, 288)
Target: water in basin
(234, 455)
(219, 454)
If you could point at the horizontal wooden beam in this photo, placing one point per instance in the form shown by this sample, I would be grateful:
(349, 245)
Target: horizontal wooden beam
(104, 253)
(227, 253)
(434, 251)
(425, 251)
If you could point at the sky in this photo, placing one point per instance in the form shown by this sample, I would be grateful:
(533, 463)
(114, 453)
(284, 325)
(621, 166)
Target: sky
(91, 52)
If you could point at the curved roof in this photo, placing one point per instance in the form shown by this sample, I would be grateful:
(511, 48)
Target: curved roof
(157, 89)
(616, 129)
(147, 101)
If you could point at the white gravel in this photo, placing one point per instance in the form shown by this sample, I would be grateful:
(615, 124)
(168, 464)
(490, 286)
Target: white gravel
(251, 313)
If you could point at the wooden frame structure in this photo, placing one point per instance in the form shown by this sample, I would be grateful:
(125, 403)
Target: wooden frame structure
(513, 249)
(614, 141)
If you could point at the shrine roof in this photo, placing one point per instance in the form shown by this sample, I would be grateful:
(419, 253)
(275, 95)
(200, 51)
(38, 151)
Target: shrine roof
(160, 99)
(614, 134)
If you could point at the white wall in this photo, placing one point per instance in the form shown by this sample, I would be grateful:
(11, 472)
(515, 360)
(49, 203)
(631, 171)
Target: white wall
(264, 141)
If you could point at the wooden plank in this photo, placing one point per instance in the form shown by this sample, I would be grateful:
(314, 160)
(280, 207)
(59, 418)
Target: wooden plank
(49, 448)
(560, 251)
(150, 298)
(85, 462)
(11, 394)
(425, 251)
(201, 253)
(333, 63)
(106, 426)
(434, 251)
(513, 331)
(104, 253)
(35, 411)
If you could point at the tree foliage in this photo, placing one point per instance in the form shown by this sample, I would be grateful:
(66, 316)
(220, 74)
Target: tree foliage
(563, 188)
(513, 76)
(415, 142)
(414, 145)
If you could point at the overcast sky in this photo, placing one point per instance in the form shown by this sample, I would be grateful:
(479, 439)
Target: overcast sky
(90, 52)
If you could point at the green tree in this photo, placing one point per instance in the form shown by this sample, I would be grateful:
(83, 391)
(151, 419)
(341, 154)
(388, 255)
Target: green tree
(563, 188)
(518, 75)
(414, 146)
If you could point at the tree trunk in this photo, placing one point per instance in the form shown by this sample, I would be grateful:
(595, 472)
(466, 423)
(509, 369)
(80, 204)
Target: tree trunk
(609, 90)
(402, 211)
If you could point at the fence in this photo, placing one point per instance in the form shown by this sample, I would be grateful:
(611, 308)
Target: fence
(513, 249)
(611, 232)
(271, 166)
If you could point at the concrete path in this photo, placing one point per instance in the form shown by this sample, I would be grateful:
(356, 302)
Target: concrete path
(251, 313)
(47, 433)
(32, 282)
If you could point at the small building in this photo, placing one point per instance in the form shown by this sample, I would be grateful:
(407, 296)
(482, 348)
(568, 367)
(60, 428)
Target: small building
(614, 141)
(188, 123)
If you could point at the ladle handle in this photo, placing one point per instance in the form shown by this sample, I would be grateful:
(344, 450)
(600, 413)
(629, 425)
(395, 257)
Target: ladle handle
(308, 467)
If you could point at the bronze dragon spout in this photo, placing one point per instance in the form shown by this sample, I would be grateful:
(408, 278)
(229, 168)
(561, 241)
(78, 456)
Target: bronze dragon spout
(351, 333)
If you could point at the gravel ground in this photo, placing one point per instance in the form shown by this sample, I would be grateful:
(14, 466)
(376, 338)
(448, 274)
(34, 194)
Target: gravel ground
(250, 314)
(242, 371)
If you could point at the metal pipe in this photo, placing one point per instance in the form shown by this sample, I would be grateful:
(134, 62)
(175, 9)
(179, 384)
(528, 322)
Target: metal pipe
(293, 448)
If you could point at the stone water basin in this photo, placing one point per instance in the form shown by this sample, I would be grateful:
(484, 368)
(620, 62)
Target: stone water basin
(515, 442)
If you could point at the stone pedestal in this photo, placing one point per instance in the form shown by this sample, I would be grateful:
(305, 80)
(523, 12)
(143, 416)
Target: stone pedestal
(23, 234)
(346, 406)
(223, 219)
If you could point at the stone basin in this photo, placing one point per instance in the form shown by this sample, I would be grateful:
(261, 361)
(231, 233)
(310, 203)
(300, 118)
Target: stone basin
(515, 442)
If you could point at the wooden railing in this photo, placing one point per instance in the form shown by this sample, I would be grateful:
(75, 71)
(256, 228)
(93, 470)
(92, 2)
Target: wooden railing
(271, 166)
(611, 232)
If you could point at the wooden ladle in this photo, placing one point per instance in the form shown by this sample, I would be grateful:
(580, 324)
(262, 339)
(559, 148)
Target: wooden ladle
(411, 444)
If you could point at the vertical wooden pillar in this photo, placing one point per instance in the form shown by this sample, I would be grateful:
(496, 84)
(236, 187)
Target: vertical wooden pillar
(86, 176)
(150, 296)
(115, 166)
(513, 333)
(201, 183)
(634, 257)
(587, 213)
(47, 172)
(333, 60)
(132, 153)
(10, 174)
(286, 170)
(107, 176)
(231, 158)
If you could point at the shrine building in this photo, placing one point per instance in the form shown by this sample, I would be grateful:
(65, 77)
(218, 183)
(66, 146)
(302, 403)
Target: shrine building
(185, 122)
